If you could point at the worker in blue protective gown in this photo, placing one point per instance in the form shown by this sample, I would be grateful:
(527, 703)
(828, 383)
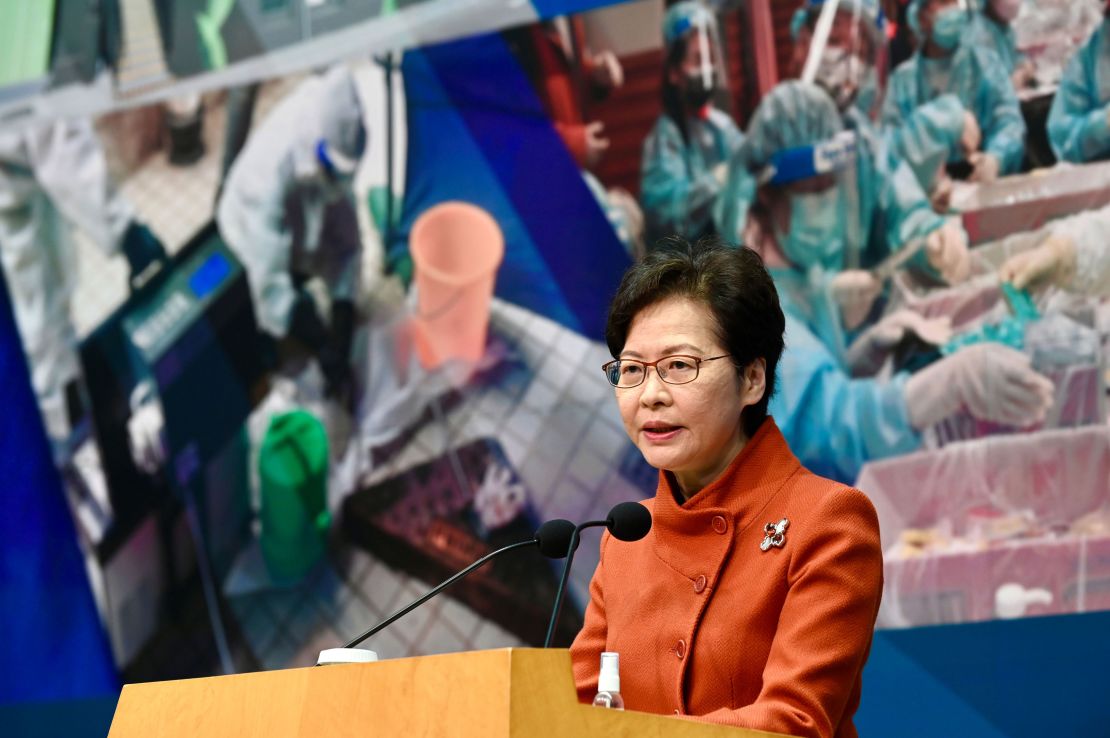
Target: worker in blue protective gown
(946, 64)
(834, 418)
(992, 28)
(685, 156)
(1079, 121)
(840, 47)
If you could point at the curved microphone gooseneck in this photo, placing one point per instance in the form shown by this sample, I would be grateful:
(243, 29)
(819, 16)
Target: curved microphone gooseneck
(554, 538)
(626, 521)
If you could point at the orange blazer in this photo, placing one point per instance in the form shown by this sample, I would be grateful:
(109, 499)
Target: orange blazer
(713, 624)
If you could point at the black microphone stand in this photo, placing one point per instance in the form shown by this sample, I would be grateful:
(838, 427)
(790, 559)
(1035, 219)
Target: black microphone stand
(439, 588)
(557, 611)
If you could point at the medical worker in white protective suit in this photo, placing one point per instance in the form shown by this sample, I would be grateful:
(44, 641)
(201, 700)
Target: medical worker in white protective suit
(1075, 257)
(54, 177)
(287, 211)
(835, 417)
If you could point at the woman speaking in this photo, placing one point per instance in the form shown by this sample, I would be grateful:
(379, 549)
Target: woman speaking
(752, 600)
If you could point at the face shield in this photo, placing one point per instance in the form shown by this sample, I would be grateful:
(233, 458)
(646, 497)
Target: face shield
(337, 170)
(842, 46)
(694, 52)
(814, 228)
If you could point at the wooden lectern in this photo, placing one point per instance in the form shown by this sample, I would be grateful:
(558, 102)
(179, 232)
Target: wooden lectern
(484, 694)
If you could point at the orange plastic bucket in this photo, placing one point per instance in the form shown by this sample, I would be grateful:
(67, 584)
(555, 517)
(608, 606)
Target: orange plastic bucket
(456, 249)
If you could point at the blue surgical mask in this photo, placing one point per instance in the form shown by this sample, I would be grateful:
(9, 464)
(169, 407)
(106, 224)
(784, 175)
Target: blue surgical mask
(948, 27)
(816, 235)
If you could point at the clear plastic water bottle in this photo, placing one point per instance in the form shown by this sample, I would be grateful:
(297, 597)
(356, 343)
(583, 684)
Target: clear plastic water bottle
(609, 682)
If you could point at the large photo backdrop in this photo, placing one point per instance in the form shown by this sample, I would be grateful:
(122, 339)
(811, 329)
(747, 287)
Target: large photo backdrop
(304, 311)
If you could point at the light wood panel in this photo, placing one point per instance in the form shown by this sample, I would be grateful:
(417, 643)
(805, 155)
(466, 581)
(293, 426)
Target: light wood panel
(486, 694)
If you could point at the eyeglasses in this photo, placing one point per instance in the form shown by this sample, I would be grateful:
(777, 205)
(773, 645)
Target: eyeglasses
(677, 369)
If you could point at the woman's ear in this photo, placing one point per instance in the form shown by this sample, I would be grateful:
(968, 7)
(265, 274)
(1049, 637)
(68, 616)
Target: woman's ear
(753, 382)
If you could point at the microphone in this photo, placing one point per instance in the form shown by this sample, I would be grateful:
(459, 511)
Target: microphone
(627, 521)
(555, 539)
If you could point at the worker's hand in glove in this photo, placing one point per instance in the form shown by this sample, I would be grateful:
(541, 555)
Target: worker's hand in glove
(854, 291)
(867, 353)
(984, 167)
(946, 249)
(1052, 262)
(971, 136)
(336, 368)
(940, 197)
(990, 381)
(142, 249)
(720, 173)
(146, 429)
(305, 324)
(1023, 75)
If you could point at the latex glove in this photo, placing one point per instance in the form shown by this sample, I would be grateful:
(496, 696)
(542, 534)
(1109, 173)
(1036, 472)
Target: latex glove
(499, 500)
(941, 195)
(971, 136)
(720, 173)
(338, 376)
(142, 249)
(596, 143)
(867, 353)
(985, 167)
(1023, 75)
(854, 291)
(990, 381)
(305, 323)
(1052, 262)
(607, 70)
(146, 429)
(946, 249)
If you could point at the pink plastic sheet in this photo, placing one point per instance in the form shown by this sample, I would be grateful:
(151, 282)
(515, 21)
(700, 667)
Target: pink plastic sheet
(960, 523)
(1026, 202)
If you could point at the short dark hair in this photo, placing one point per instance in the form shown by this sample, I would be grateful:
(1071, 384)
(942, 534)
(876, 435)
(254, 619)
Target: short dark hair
(731, 281)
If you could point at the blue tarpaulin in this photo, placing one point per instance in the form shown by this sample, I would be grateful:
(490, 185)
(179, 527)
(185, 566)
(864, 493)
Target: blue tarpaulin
(54, 647)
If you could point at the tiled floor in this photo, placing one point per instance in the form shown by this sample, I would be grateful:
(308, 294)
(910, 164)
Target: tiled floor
(174, 201)
(549, 407)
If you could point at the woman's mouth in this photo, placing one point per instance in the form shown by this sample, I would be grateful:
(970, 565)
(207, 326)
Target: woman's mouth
(658, 432)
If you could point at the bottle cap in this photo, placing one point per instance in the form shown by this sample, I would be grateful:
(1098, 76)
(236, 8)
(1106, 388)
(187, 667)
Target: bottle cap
(610, 678)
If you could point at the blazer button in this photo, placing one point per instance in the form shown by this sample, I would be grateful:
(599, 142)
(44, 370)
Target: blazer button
(680, 649)
(699, 584)
(720, 525)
